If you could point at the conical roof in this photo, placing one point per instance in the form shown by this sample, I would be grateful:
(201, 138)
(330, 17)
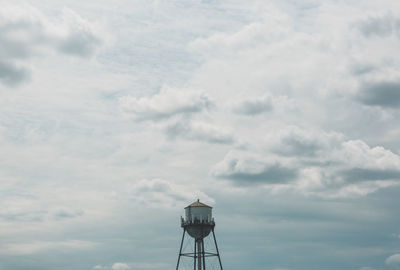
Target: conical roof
(198, 204)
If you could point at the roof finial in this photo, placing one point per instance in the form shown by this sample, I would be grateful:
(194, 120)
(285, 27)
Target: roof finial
(198, 200)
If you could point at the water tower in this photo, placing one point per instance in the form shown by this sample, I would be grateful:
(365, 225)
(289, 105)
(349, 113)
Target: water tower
(198, 223)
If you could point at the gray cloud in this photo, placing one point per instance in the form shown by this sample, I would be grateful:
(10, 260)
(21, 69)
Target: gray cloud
(25, 32)
(12, 75)
(263, 104)
(254, 106)
(80, 38)
(252, 170)
(298, 146)
(362, 174)
(293, 141)
(67, 213)
(33, 216)
(80, 44)
(270, 174)
(383, 94)
(382, 26)
(199, 131)
(362, 68)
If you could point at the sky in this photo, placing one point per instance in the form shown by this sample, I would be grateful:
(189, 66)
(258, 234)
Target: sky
(283, 115)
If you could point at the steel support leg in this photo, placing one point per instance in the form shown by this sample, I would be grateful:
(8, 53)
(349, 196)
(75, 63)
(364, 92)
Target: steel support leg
(216, 246)
(199, 253)
(204, 254)
(180, 250)
(194, 255)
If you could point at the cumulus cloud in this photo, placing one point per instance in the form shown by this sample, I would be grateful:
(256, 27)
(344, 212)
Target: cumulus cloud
(199, 131)
(393, 260)
(313, 162)
(167, 103)
(25, 32)
(247, 169)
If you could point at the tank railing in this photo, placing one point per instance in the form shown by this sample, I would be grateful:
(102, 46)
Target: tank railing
(197, 221)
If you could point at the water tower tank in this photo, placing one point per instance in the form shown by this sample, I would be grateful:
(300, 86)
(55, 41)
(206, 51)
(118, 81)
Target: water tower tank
(198, 220)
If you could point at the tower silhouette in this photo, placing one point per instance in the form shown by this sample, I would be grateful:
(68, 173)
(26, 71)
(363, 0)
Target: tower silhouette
(198, 223)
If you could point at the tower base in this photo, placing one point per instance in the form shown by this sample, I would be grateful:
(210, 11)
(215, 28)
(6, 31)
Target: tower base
(200, 254)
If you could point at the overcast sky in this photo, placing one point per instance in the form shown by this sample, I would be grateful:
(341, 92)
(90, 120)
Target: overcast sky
(283, 115)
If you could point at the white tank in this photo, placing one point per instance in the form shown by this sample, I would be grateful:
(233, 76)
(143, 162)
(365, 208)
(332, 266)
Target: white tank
(198, 211)
(198, 220)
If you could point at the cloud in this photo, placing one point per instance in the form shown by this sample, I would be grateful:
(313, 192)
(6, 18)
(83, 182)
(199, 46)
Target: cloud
(272, 28)
(385, 94)
(12, 75)
(199, 131)
(294, 141)
(120, 266)
(393, 260)
(245, 169)
(163, 193)
(264, 104)
(167, 103)
(25, 32)
(312, 162)
(380, 25)
(357, 174)
(80, 37)
(254, 106)
(66, 213)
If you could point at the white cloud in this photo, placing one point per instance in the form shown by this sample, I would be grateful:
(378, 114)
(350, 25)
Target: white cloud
(120, 266)
(99, 267)
(169, 102)
(312, 162)
(393, 260)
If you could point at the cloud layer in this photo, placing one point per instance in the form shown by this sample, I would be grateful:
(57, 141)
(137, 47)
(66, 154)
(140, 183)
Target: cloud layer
(25, 32)
(282, 115)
